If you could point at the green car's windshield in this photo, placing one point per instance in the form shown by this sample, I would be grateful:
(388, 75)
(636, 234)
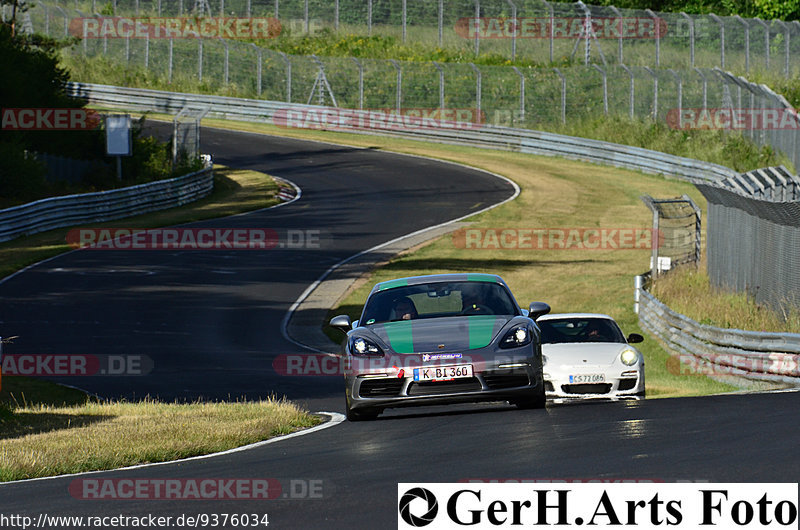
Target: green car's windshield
(440, 299)
(562, 330)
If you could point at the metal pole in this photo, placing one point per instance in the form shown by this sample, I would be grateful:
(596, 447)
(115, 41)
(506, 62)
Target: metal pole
(227, 57)
(631, 98)
(259, 69)
(441, 23)
(277, 8)
(305, 17)
(369, 17)
(199, 59)
(746, 42)
(170, 58)
(521, 93)
(478, 82)
(405, 16)
(550, 31)
(658, 35)
(336, 15)
(705, 87)
(477, 21)
(563, 96)
(360, 82)
(516, 30)
(787, 35)
(721, 38)
(441, 84)
(655, 92)
(619, 39)
(587, 30)
(679, 80)
(605, 88)
(766, 41)
(691, 36)
(288, 76)
(399, 97)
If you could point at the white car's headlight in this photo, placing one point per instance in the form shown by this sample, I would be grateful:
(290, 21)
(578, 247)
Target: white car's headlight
(629, 357)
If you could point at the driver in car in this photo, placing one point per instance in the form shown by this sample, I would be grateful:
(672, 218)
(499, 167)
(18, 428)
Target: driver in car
(404, 309)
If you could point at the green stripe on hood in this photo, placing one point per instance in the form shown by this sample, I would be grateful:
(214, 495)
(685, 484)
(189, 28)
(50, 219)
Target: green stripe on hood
(481, 331)
(426, 335)
(400, 335)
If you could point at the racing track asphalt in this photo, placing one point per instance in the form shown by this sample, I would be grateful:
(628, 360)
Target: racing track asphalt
(210, 322)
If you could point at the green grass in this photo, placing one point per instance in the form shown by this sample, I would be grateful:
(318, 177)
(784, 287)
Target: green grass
(688, 291)
(44, 439)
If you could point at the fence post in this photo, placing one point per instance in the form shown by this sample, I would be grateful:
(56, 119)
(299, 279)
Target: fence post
(46, 20)
(170, 66)
(516, 29)
(404, 18)
(550, 31)
(277, 8)
(441, 23)
(227, 57)
(563, 96)
(521, 93)
(679, 80)
(305, 17)
(691, 36)
(655, 92)
(127, 49)
(631, 86)
(658, 35)
(441, 84)
(369, 17)
(200, 60)
(399, 96)
(288, 75)
(766, 40)
(787, 35)
(587, 30)
(605, 88)
(336, 15)
(619, 38)
(721, 38)
(360, 82)
(705, 87)
(746, 42)
(259, 67)
(478, 82)
(477, 21)
(249, 8)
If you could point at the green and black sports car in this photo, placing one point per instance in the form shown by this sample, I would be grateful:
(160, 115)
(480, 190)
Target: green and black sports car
(439, 339)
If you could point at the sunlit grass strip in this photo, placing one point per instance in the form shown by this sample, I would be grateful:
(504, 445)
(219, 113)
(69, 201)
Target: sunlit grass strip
(44, 440)
(688, 291)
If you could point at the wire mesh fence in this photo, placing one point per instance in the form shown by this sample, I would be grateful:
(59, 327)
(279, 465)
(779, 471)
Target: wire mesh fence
(531, 30)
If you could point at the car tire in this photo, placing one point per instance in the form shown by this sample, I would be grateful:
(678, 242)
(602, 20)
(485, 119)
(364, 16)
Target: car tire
(361, 414)
(537, 401)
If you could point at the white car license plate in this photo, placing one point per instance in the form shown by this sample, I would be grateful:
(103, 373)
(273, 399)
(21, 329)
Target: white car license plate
(587, 378)
(442, 373)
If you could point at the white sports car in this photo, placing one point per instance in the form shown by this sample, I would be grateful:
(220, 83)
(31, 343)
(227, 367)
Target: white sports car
(586, 355)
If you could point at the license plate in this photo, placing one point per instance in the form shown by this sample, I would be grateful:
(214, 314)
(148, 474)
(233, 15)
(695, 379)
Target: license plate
(588, 378)
(442, 373)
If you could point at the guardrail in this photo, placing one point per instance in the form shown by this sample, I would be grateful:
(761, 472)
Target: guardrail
(69, 210)
(720, 352)
(487, 136)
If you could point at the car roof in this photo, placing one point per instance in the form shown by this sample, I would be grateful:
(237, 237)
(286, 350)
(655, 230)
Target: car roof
(555, 316)
(435, 278)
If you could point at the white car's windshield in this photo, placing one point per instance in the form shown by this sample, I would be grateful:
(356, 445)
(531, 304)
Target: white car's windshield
(562, 330)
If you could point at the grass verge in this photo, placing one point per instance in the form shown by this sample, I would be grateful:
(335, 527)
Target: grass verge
(44, 438)
(689, 292)
(48, 429)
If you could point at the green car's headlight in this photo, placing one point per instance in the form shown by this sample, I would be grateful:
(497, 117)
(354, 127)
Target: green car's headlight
(629, 357)
(361, 346)
(519, 336)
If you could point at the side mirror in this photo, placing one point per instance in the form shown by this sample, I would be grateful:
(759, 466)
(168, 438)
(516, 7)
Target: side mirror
(342, 323)
(538, 309)
(634, 338)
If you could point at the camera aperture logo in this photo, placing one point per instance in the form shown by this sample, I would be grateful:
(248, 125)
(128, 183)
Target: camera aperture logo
(415, 494)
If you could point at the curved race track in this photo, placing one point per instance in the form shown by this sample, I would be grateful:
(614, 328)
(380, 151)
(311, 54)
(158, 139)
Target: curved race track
(210, 321)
